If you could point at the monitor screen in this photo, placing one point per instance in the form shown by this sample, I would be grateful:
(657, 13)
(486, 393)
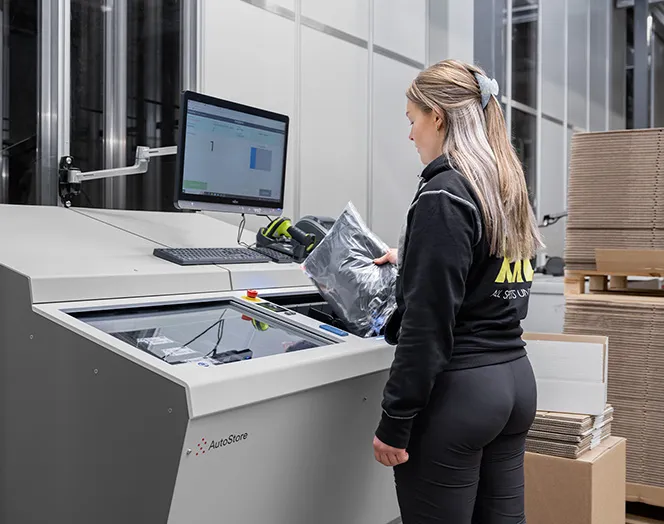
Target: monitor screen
(230, 157)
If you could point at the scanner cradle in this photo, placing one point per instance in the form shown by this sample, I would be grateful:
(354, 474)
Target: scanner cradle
(296, 240)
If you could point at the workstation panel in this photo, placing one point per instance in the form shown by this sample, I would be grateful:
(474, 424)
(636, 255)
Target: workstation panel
(68, 256)
(196, 230)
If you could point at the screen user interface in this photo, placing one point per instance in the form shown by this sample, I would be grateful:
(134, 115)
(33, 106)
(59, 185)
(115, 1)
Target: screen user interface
(233, 154)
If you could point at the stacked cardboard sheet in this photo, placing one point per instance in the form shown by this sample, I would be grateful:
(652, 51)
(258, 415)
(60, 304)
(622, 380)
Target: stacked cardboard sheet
(568, 435)
(635, 327)
(616, 194)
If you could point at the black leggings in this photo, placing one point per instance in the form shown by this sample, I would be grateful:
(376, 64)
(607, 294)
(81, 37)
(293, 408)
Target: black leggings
(467, 448)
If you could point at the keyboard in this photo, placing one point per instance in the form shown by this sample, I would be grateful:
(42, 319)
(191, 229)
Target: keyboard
(274, 255)
(187, 256)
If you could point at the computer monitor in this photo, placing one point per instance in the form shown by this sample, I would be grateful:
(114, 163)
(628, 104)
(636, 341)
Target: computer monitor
(231, 157)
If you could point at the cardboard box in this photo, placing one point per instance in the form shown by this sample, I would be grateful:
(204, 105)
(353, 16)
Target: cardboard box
(571, 372)
(587, 490)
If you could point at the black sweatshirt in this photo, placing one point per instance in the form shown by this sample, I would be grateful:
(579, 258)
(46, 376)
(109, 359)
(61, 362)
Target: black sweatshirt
(458, 306)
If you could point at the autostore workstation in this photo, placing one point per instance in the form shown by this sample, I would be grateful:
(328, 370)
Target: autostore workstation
(192, 324)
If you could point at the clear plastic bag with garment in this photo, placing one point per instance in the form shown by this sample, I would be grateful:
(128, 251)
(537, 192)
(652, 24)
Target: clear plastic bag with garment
(360, 292)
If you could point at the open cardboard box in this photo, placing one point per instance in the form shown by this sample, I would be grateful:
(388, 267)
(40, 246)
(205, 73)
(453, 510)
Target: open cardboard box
(571, 372)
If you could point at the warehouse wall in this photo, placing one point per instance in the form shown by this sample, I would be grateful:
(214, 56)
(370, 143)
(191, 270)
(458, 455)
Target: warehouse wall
(575, 94)
(340, 70)
(570, 79)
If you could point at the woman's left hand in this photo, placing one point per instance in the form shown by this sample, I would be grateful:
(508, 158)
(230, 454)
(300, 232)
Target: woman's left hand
(387, 455)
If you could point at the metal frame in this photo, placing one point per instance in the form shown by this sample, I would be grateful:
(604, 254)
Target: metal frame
(622, 4)
(370, 113)
(651, 74)
(588, 42)
(538, 119)
(297, 92)
(54, 90)
(4, 70)
(641, 87)
(190, 44)
(508, 68)
(607, 78)
(115, 99)
(566, 101)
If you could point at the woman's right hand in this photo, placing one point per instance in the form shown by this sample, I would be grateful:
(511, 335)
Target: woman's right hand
(391, 256)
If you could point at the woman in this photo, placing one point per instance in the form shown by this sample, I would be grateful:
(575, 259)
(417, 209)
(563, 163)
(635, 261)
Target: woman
(461, 394)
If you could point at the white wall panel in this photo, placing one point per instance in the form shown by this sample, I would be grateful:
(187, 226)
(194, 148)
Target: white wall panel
(350, 16)
(553, 58)
(399, 27)
(249, 57)
(396, 164)
(334, 124)
(552, 180)
(460, 23)
(288, 4)
(577, 62)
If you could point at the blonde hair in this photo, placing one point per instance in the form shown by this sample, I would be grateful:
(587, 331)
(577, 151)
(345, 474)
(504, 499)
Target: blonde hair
(478, 146)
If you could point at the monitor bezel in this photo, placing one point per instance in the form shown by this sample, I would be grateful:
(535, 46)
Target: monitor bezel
(238, 204)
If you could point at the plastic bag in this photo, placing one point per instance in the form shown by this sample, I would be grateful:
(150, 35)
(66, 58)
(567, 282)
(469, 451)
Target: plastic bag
(361, 293)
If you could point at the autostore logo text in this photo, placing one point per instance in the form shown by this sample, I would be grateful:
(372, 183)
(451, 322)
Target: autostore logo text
(206, 447)
(232, 439)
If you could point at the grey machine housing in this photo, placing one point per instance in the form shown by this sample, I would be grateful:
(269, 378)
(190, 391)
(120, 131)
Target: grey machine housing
(97, 430)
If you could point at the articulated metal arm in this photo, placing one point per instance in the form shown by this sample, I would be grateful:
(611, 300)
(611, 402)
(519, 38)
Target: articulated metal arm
(72, 177)
(549, 220)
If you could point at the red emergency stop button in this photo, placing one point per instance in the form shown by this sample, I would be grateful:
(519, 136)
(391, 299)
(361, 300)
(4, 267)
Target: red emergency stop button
(252, 293)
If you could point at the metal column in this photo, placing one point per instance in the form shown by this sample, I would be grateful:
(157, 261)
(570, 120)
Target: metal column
(190, 44)
(53, 121)
(641, 77)
(151, 113)
(4, 70)
(115, 100)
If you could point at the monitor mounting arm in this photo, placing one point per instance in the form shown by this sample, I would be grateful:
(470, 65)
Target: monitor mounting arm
(70, 177)
(549, 220)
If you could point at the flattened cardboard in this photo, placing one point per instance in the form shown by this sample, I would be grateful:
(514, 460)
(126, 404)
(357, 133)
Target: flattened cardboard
(603, 210)
(572, 450)
(635, 327)
(649, 261)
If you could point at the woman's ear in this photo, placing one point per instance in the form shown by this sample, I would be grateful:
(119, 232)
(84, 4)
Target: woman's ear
(438, 121)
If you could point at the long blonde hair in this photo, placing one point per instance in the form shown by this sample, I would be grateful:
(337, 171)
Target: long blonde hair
(478, 146)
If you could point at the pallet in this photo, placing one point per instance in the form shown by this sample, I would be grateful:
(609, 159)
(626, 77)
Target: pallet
(607, 283)
(635, 519)
(613, 269)
(650, 495)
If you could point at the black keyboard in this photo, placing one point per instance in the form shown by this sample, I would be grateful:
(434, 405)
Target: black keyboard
(274, 255)
(196, 256)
